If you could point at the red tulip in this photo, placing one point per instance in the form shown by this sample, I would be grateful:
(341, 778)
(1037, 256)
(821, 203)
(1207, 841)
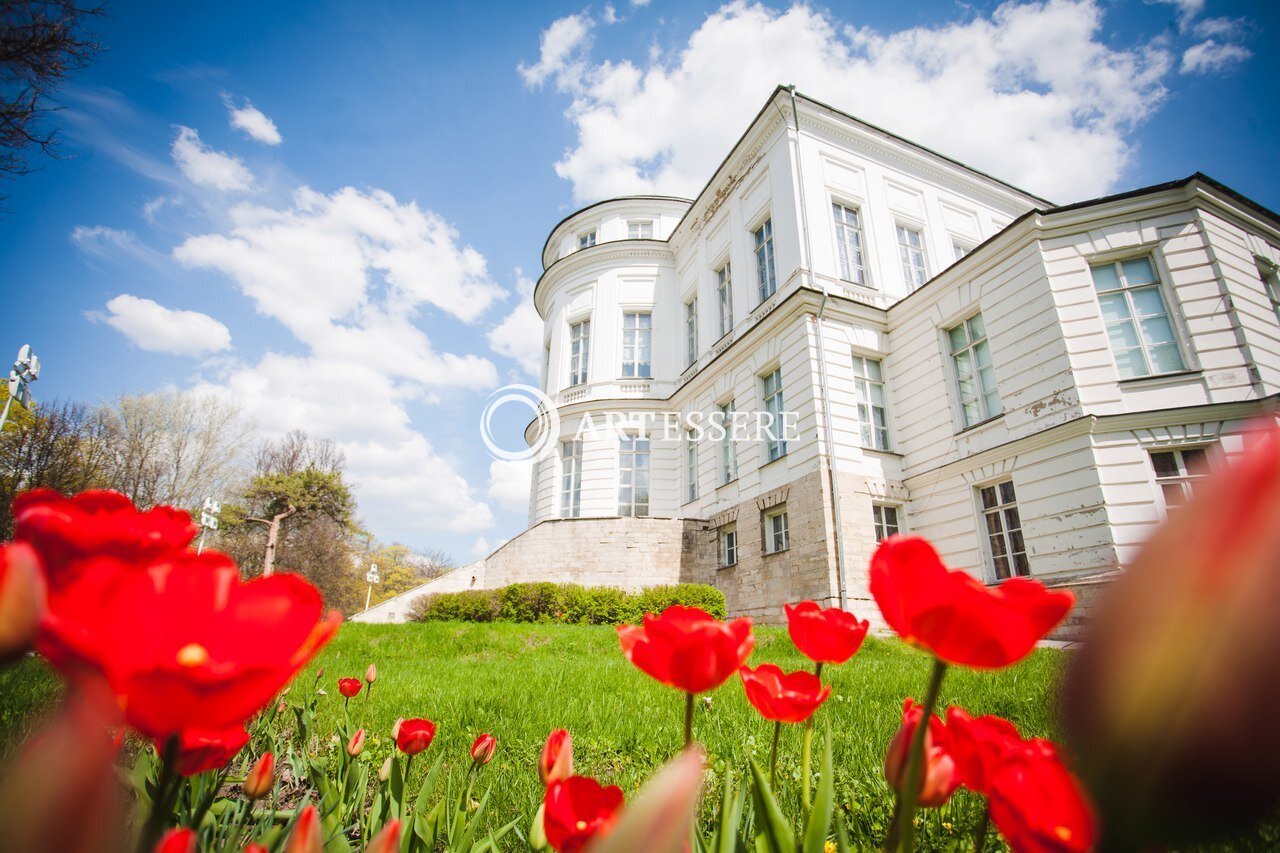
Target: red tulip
(577, 810)
(200, 750)
(177, 841)
(978, 747)
(261, 778)
(938, 775)
(413, 736)
(482, 749)
(22, 599)
(1172, 698)
(186, 645)
(254, 847)
(1037, 804)
(825, 636)
(556, 763)
(783, 697)
(355, 745)
(953, 615)
(349, 687)
(387, 840)
(686, 648)
(307, 835)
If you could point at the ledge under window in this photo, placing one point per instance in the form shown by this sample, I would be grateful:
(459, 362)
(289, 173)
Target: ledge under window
(980, 424)
(1160, 378)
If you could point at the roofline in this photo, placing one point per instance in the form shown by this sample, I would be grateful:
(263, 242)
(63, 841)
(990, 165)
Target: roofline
(1153, 189)
(613, 200)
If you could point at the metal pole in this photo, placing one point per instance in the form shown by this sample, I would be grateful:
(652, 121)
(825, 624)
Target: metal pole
(368, 597)
(200, 544)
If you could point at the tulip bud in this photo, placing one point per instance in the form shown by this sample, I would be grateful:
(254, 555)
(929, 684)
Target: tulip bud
(355, 746)
(181, 840)
(937, 770)
(307, 836)
(320, 674)
(387, 840)
(281, 708)
(384, 772)
(371, 674)
(395, 729)
(21, 599)
(261, 778)
(556, 763)
(482, 749)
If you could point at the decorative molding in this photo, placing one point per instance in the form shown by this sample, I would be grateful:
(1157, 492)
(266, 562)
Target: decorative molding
(774, 498)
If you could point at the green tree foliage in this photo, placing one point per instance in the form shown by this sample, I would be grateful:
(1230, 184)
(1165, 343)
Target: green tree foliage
(401, 568)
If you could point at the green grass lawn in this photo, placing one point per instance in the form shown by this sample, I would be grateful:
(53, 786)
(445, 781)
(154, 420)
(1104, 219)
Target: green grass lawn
(520, 681)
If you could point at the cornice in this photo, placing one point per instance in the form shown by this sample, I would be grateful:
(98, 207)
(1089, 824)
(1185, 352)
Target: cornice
(610, 252)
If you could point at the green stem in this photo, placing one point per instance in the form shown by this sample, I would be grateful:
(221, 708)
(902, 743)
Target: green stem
(688, 720)
(806, 751)
(905, 809)
(364, 711)
(773, 756)
(166, 786)
(980, 833)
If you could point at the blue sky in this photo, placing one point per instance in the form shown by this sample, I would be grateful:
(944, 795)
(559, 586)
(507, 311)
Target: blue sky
(332, 213)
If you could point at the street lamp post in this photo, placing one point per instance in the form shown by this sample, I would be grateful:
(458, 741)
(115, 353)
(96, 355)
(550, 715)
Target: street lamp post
(26, 369)
(208, 520)
(372, 578)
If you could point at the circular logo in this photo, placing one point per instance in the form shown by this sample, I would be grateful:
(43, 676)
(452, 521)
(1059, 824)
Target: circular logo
(546, 422)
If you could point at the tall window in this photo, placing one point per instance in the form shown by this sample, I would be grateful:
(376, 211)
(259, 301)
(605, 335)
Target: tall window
(775, 531)
(772, 392)
(587, 239)
(766, 274)
(570, 479)
(1004, 530)
(637, 344)
(911, 254)
(1177, 472)
(884, 519)
(975, 377)
(724, 298)
(640, 230)
(579, 350)
(960, 249)
(728, 545)
(849, 243)
(633, 476)
(691, 331)
(1271, 282)
(690, 466)
(1137, 322)
(868, 388)
(728, 447)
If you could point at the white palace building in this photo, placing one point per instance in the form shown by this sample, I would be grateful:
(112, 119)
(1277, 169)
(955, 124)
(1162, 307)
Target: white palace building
(1029, 386)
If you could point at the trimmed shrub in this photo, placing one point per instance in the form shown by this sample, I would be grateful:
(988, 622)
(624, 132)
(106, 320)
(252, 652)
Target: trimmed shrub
(570, 603)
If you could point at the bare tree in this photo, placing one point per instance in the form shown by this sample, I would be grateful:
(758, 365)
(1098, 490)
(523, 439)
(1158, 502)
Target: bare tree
(173, 448)
(41, 43)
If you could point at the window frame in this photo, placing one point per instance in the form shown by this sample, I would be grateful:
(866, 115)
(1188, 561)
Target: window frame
(899, 227)
(960, 248)
(1135, 320)
(588, 238)
(772, 531)
(580, 358)
(571, 479)
(773, 402)
(638, 225)
(724, 297)
(880, 520)
(842, 229)
(728, 448)
(971, 347)
(629, 448)
(690, 466)
(1005, 532)
(872, 437)
(633, 345)
(766, 264)
(1186, 477)
(724, 547)
(691, 351)
(1269, 273)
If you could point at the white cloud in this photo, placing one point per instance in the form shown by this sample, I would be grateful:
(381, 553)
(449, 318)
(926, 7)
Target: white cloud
(1209, 57)
(519, 334)
(253, 121)
(610, 15)
(562, 46)
(114, 244)
(1033, 93)
(348, 274)
(206, 167)
(509, 483)
(640, 2)
(150, 326)
(482, 547)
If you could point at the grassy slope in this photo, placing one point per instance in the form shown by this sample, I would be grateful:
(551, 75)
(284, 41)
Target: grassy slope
(520, 681)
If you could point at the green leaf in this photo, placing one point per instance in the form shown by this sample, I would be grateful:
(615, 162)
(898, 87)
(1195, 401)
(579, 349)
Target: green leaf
(815, 834)
(395, 786)
(428, 785)
(774, 828)
(464, 842)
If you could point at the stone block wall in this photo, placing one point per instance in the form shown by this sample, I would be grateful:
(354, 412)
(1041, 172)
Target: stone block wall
(1089, 592)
